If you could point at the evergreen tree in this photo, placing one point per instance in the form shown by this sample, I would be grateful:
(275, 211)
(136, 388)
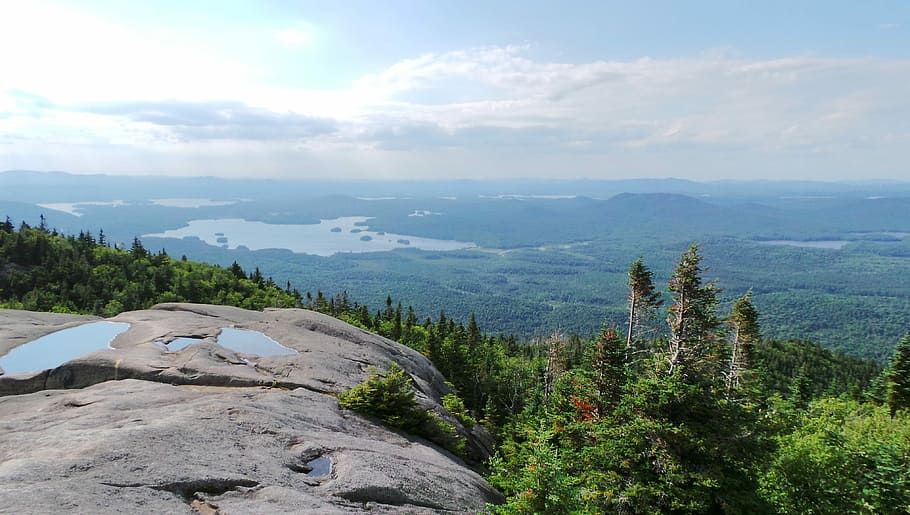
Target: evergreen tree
(801, 392)
(474, 335)
(643, 302)
(745, 333)
(389, 311)
(411, 319)
(396, 324)
(692, 319)
(898, 377)
(608, 363)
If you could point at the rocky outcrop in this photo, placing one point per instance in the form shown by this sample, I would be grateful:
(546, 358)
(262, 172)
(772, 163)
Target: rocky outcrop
(140, 429)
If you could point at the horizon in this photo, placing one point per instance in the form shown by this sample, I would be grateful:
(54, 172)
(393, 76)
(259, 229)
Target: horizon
(381, 180)
(705, 91)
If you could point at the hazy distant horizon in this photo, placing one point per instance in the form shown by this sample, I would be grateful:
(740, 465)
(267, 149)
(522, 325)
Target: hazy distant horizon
(341, 180)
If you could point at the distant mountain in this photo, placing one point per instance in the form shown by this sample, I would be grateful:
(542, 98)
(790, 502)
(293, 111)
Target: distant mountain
(31, 186)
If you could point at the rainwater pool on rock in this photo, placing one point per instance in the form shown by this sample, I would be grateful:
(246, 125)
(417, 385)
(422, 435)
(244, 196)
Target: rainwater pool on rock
(55, 349)
(321, 466)
(252, 342)
(181, 343)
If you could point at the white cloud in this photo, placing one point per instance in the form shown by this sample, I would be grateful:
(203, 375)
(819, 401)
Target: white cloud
(636, 117)
(294, 38)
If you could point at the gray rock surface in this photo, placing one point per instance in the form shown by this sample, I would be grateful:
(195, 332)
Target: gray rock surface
(142, 430)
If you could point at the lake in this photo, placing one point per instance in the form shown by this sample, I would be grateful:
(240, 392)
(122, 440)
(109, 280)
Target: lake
(328, 237)
(55, 349)
(816, 244)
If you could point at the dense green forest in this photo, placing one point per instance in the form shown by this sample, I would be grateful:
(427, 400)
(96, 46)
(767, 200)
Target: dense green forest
(540, 262)
(41, 270)
(683, 408)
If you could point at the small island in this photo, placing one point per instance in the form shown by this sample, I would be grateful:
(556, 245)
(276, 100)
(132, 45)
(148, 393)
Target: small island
(366, 237)
(336, 229)
(221, 239)
(356, 230)
(404, 241)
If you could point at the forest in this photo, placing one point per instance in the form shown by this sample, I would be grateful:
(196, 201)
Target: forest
(41, 270)
(541, 262)
(685, 407)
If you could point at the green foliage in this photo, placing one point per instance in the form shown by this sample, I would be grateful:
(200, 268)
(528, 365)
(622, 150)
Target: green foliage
(843, 457)
(610, 434)
(454, 405)
(388, 398)
(692, 320)
(745, 332)
(542, 483)
(898, 378)
(825, 372)
(645, 439)
(644, 299)
(44, 271)
(391, 400)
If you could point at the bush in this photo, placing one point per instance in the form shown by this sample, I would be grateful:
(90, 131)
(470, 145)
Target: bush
(391, 400)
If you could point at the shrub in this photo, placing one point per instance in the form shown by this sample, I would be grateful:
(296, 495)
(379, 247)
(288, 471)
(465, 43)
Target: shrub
(391, 400)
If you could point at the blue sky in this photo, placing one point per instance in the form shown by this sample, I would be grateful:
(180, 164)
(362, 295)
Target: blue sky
(433, 89)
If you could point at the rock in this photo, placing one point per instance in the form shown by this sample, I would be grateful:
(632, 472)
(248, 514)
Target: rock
(140, 429)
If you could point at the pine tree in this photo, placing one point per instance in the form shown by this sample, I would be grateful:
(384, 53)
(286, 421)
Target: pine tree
(389, 312)
(608, 362)
(396, 324)
(474, 335)
(745, 333)
(411, 319)
(801, 391)
(692, 318)
(643, 302)
(898, 377)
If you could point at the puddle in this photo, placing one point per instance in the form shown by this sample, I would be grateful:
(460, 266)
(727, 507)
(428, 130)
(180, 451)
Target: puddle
(321, 466)
(180, 343)
(252, 342)
(55, 349)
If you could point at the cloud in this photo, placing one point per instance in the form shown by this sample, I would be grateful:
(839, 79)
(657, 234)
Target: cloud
(467, 110)
(216, 119)
(758, 106)
(294, 38)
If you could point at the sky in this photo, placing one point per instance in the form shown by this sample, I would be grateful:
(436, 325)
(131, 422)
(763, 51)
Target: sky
(437, 89)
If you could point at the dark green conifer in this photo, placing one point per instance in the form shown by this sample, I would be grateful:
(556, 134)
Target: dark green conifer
(692, 319)
(643, 302)
(898, 378)
(608, 362)
(745, 333)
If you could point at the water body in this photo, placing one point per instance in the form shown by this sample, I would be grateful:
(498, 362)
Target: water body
(321, 466)
(252, 342)
(180, 343)
(817, 244)
(884, 234)
(322, 239)
(511, 196)
(55, 349)
(75, 208)
(191, 202)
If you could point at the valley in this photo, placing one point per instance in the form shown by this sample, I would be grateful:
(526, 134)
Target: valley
(827, 262)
